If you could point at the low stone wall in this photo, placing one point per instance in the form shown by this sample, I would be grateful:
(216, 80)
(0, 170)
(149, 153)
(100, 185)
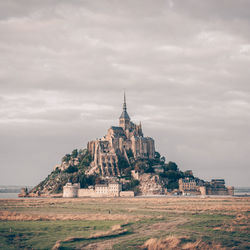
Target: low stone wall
(86, 192)
(127, 194)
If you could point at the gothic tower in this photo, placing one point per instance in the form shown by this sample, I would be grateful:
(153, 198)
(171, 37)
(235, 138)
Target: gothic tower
(124, 120)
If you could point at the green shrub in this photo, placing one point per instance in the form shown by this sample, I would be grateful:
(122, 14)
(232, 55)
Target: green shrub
(132, 185)
(74, 153)
(66, 158)
(122, 163)
(71, 169)
(171, 166)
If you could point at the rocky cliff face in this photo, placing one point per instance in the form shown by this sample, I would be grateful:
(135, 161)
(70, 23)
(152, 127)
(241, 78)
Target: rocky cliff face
(66, 164)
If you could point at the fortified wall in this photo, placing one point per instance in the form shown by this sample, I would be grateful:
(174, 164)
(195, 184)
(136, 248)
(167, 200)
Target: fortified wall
(100, 190)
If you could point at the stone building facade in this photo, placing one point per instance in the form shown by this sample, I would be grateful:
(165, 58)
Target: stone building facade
(119, 140)
(111, 189)
(215, 187)
(188, 185)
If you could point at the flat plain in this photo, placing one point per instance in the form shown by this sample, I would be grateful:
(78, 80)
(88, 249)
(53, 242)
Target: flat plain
(125, 223)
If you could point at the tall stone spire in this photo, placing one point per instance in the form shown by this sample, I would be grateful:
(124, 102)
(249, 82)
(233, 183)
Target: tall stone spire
(124, 103)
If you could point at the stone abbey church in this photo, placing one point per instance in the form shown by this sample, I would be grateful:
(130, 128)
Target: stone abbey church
(117, 143)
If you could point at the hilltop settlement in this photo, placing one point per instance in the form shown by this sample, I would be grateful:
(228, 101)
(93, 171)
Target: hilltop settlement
(122, 163)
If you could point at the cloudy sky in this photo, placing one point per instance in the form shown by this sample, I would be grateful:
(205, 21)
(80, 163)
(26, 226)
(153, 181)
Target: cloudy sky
(185, 66)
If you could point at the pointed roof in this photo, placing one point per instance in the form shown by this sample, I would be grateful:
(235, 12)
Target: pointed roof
(124, 114)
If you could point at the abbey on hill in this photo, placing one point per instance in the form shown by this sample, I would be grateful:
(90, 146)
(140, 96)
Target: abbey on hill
(122, 163)
(128, 137)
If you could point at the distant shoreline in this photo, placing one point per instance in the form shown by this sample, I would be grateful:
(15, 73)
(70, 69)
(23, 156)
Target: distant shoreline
(15, 196)
(8, 195)
(11, 192)
(12, 188)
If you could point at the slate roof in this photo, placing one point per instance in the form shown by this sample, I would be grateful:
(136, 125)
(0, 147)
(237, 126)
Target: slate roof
(124, 115)
(118, 131)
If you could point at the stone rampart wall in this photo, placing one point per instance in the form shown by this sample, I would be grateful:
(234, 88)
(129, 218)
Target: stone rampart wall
(86, 192)
(127, 194)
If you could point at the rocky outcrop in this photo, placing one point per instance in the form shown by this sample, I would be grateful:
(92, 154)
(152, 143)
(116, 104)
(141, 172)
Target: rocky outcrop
(24, 192)
(65, 164)
(151, 184)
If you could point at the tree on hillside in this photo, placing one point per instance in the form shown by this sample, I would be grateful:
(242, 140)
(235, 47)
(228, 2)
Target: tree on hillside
(85, 159)
(157, 155)
(171, 166)
(123, 164)
(74, 153)
(163, 159)
(71, 169)
(66, 158)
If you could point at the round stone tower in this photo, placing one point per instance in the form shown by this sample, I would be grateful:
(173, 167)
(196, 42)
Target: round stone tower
(71, 190)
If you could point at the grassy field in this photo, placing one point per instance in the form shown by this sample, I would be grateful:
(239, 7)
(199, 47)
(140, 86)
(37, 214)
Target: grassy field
(125, 223)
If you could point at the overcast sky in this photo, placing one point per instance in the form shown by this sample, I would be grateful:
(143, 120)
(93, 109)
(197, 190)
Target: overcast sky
(185, 66)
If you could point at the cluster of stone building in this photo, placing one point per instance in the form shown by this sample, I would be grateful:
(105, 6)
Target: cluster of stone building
(187, 186)
(119, 141)
(195, 186)
(113, 189)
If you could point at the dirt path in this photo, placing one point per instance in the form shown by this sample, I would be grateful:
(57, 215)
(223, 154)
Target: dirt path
(144, 231)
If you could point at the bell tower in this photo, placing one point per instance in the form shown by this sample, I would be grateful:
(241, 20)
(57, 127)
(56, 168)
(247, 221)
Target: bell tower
(124, 120)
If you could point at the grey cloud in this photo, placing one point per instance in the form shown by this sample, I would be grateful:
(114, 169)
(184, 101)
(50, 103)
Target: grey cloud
(224, 10)
(184, 65)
